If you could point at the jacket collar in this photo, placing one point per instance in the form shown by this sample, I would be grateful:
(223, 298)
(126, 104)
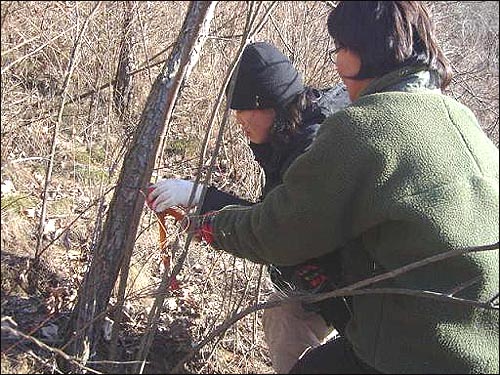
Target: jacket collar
(408, 78)
(267, 152)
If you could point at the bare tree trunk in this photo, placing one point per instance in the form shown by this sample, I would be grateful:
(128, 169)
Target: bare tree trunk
(82, 333)
(123, 86)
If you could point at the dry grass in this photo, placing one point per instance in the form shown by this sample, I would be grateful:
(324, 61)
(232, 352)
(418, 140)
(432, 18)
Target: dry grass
(37, 40)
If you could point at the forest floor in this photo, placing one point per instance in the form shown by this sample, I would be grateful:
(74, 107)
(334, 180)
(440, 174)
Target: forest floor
(33, 318)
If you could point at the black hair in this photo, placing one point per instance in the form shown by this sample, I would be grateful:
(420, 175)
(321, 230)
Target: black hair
(388, 35)
(288, 119)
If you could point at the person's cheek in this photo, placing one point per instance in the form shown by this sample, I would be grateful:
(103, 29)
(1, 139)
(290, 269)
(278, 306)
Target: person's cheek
(348, 63)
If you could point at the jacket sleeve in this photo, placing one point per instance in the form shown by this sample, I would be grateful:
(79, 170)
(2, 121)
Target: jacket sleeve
(216, 199)
(313, 212)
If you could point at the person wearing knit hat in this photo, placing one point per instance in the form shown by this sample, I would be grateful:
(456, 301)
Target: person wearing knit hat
(265, 79)
(280, 116)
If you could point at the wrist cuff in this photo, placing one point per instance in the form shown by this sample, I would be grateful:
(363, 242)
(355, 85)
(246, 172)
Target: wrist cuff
(205, 229)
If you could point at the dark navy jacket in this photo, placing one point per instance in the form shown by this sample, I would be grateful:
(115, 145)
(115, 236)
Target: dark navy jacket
(275, 158)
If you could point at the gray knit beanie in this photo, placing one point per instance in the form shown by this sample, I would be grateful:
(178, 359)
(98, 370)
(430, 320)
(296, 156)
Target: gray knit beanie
(266, 79)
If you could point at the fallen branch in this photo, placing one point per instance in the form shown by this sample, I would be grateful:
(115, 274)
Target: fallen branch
(49, 348)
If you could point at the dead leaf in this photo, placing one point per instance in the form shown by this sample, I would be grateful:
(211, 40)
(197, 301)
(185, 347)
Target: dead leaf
(29, 212)
(8, 187)
(49, 227)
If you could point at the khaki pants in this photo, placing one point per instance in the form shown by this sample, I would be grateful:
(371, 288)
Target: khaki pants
(290, 331)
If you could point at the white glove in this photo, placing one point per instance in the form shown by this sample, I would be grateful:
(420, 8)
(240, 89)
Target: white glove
(172, 192)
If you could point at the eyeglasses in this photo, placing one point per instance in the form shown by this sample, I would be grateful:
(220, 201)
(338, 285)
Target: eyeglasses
(332, 54)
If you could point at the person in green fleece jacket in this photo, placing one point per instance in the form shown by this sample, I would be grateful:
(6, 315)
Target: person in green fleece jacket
(402, 174)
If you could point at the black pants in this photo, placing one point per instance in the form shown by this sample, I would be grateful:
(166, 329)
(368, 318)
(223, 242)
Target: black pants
(334, 357)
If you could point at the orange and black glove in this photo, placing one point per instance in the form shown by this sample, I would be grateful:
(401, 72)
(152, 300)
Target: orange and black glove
(200, 225)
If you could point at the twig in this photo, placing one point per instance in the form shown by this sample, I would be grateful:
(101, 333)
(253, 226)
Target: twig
(231, 286)
(142, 67)
(144, 46)
(38, 326)
(420, 293)
(257, 298)
(75, 219)
(495, 297)
(115, 362)
(32, 158)
(248, 35)
(14, 201)
(285, 43)
(20, 45)
(146, 64)
(225, 325)
(233, 70)
(463, 286)
(401, 270)
(50, 349)
(264, 18)
(69, 72)
(6, 13)
(15, 62)
(266, 305)
(154, 313)
(352, 290)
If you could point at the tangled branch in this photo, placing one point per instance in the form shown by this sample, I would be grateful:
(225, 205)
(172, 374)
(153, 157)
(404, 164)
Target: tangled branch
(355, 289)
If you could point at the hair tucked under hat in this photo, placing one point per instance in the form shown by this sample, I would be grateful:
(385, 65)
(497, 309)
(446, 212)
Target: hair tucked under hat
(266, 79)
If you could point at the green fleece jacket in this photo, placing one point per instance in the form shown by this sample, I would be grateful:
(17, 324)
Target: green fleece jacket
(402, 174)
